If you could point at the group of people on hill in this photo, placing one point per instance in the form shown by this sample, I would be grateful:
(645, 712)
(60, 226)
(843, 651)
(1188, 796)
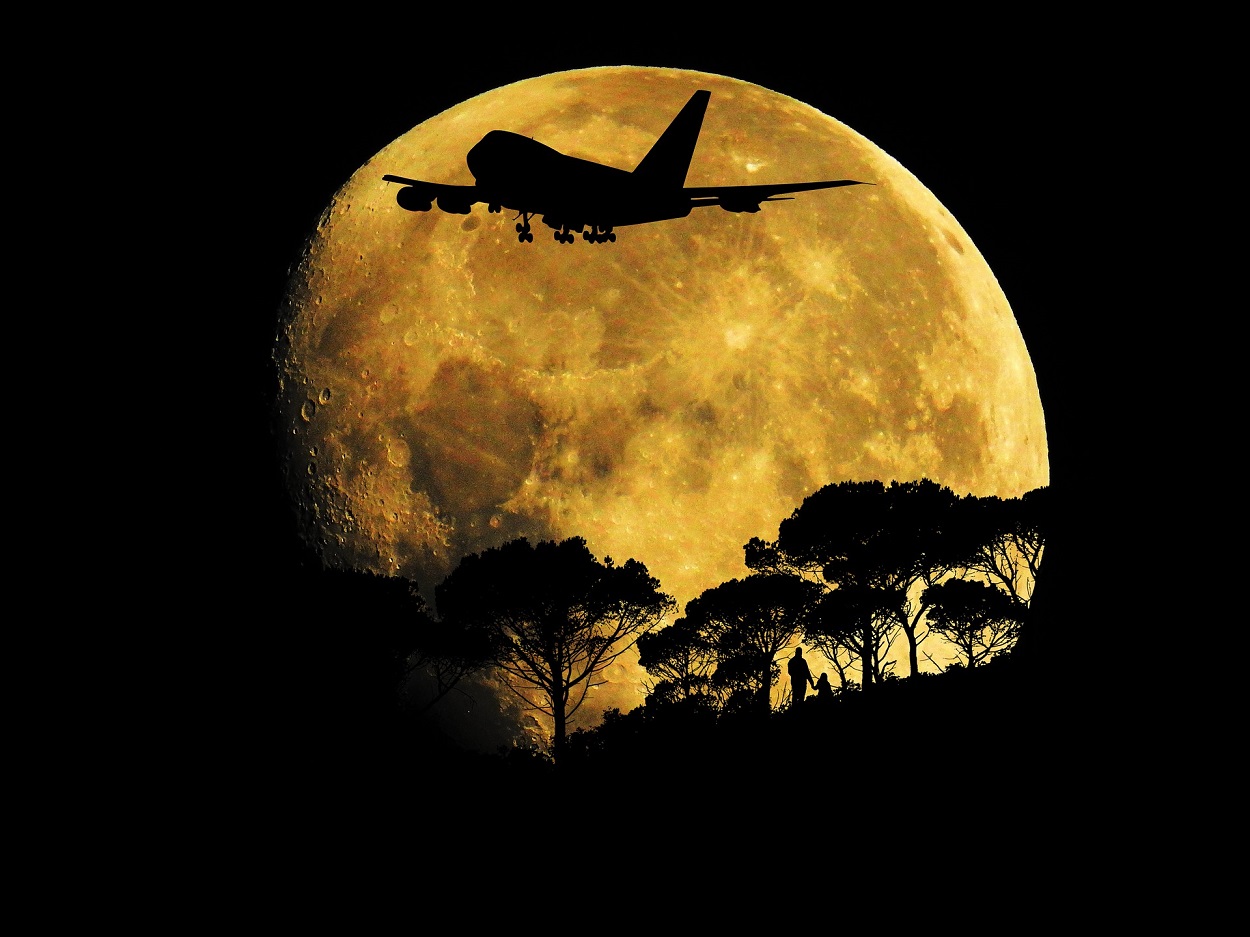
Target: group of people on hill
(801, 679)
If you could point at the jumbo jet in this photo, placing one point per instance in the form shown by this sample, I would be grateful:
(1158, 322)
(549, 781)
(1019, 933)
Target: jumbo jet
(578, 195)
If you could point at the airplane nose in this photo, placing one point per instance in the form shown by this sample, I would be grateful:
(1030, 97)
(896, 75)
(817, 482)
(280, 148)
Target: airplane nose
(491, 155)
(482, 156)
(474, 160)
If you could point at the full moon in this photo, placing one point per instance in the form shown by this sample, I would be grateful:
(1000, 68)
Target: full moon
(445, 388)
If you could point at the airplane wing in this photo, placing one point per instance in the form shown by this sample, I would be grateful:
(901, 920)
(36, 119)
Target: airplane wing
(421, 196)
(748, 197)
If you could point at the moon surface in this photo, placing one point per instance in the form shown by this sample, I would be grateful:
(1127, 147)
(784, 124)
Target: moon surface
(444, 388)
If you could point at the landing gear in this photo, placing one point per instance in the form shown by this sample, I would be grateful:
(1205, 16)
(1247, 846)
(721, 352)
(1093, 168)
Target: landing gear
(523, 232)
(565, 233)
(599, 235)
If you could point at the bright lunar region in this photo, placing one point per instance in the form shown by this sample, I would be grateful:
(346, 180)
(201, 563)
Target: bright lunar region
(445, 388)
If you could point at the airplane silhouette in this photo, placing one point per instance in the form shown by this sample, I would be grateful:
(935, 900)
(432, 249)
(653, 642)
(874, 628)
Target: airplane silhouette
(519, 173)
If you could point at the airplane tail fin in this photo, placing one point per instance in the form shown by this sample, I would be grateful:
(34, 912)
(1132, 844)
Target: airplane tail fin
(666, 162)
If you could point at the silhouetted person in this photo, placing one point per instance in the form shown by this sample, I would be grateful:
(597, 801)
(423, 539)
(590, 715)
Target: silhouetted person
(800, 678)
(824, 689)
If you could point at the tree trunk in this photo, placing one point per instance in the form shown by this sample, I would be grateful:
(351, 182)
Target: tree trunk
(867, 656)
(557, 712)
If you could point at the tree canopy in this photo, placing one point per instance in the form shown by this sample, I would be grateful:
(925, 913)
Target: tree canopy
(554, 616)
(871, 539)
(1010, 541)
(979, 619)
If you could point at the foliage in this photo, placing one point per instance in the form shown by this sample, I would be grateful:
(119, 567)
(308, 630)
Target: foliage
(728, 641)
(867, 538)
(554, 616)
(681, 657)
(398, 636)
(751, 621)
(1011, 540)
(979, 619)
(862, 622)
(877, 549)
(447, 652)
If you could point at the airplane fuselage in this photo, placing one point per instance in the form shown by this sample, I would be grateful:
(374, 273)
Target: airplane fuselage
(523, 175)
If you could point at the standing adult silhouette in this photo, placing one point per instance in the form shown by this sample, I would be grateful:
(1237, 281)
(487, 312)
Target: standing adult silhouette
(800, 678)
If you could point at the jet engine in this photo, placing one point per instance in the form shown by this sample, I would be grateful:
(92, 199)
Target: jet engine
(739, 205)
(413, 199)
(454, 205)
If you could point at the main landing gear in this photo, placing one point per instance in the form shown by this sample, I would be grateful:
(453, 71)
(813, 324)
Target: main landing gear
(599, 235)
(523, 232)
(595, 234)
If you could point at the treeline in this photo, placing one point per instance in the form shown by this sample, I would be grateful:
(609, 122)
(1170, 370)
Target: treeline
(856, 569)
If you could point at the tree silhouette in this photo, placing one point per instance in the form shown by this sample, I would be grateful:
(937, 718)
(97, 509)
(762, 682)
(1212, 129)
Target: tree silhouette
(555, 617)
(860, 621)
(977, 618)
(867, 538)
(728, 641)
(681, 657)
(447, 651)
(389, 621)
(392, 657)
(752, 621)
(1010, 539)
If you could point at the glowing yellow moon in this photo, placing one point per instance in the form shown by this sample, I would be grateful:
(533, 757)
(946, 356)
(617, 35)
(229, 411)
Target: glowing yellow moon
(667, 397)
